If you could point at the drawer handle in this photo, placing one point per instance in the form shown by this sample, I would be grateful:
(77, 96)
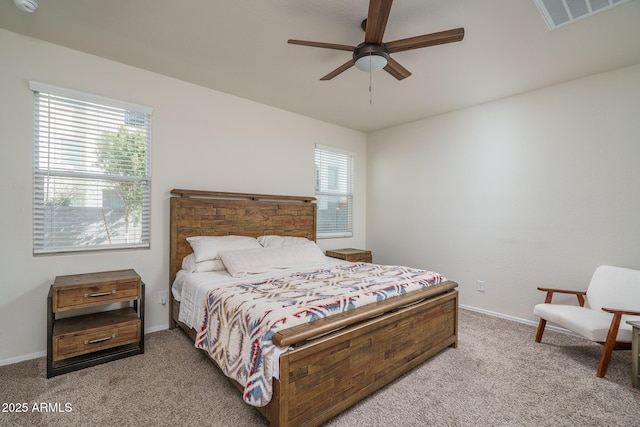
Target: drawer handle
(99, 340)
(100, 294)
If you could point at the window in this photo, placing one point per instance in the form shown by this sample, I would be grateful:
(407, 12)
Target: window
(334, 192)
(91, 172)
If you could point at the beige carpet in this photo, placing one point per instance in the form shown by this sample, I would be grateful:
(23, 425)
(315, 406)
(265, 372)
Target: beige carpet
(496, 377)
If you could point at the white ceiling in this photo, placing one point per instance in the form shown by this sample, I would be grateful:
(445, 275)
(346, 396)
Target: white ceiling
(240, 47)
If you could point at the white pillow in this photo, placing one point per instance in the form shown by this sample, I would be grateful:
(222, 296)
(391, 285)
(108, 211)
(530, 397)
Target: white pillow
(189, 264)
(275, 241)
(252, 261)
(208, 247)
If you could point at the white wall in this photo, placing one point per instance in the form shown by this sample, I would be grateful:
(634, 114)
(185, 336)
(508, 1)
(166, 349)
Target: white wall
(536, 189)
(202, 139)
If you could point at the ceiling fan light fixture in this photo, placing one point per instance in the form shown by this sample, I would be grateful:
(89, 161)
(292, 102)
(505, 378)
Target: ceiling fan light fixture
(370, 57)
(371, 63)
(26, 5)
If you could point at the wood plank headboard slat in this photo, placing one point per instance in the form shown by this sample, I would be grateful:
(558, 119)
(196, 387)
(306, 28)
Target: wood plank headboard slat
(250, 196)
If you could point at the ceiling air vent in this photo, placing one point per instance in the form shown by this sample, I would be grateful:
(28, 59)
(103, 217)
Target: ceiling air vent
(561, 12)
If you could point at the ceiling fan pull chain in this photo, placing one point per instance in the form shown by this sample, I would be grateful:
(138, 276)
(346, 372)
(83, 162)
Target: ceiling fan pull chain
(370, 80)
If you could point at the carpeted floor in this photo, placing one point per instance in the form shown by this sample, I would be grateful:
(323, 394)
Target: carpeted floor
(497, 376)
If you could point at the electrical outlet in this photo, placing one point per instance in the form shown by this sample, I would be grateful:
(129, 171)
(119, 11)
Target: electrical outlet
(480, 285)
(162, 296)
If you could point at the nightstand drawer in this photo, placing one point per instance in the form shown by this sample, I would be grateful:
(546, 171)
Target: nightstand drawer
(88, 296)
(360, 257)
(93, 289)
(91, 333)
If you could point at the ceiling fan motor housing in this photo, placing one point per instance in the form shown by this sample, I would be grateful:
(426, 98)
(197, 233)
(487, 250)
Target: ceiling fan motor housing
(367, 49)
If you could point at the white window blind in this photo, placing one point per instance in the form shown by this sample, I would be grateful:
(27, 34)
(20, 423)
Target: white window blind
(334, 192)
(91, 172)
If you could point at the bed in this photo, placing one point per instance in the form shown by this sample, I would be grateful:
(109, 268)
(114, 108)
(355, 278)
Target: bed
(335, 361)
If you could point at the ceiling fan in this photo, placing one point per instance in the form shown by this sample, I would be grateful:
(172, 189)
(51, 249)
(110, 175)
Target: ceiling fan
(373, 54)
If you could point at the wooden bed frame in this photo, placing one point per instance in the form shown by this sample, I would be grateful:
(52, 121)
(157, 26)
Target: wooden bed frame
(361, 350)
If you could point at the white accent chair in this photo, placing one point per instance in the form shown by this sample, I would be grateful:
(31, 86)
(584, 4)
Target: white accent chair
(612, 299)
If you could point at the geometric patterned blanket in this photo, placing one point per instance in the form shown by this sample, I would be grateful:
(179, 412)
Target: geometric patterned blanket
(239, 321)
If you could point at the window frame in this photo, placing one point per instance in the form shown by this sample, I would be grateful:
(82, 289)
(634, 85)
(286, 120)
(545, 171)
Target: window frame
(336, 187)
(90, 180)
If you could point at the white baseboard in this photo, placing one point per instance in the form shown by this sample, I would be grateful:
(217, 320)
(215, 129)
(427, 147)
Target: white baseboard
(156, 328)
(22, 358)
(517, 319)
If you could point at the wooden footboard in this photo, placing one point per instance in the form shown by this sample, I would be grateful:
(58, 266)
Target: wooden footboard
(324, 377)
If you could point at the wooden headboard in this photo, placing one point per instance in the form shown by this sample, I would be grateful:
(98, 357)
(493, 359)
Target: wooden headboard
(210, 213)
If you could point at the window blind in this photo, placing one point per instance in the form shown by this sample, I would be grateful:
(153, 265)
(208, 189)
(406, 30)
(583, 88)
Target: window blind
(91, 172)
(334, 192)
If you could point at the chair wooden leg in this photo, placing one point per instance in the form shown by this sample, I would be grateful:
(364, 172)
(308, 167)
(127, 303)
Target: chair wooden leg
(540, 331)
(609, 345)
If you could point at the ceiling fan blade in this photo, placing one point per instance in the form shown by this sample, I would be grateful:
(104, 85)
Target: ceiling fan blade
(377, 20)
(338, 70)
(396, 70)
(426, 40)
(324, 45)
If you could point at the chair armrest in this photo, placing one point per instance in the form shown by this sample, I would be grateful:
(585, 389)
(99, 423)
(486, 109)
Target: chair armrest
(563, 291)
(550, 291)
(622, 312)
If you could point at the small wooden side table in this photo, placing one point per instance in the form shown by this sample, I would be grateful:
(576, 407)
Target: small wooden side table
(635, 353)
(350, 254)
(79, 341)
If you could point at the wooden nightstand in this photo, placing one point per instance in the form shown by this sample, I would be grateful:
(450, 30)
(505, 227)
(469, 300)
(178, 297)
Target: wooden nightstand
(350, 254)
(79, 341)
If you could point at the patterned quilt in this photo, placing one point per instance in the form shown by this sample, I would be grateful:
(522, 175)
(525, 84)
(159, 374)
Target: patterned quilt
(239, 321)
